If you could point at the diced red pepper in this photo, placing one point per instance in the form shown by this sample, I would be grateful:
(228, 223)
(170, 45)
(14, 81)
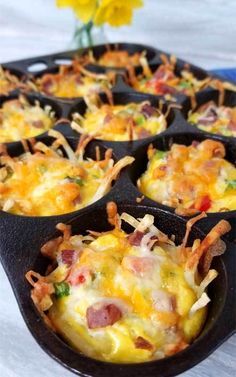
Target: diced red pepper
(81, 279)
(205, 203)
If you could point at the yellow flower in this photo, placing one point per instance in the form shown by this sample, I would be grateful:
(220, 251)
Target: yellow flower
(116, 12)
(84, 9)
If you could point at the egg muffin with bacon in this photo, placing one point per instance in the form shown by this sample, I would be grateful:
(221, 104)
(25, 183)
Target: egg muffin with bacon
(20, 119)
(71, 81)
(131, 121)
(126, 297)
(214, 119)
(165, 80)
(46, 182)
(191, 178)
(119, 58)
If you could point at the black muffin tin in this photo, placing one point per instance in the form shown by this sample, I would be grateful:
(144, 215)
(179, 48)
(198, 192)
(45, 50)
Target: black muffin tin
(22, 236)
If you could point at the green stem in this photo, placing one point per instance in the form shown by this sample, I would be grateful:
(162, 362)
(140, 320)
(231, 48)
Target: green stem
(89, 27)
(83, 35)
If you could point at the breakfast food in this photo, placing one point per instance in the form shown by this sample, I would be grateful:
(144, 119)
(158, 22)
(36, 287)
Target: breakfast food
(214, 119)
(70, 81)
(127, 297)
(165, 80)
(131, 121)
(117, 58)
(191, 178)
(20, 119)
(46, 182)
(8, 81)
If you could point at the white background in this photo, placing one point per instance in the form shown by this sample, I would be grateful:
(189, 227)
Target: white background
(202, 32)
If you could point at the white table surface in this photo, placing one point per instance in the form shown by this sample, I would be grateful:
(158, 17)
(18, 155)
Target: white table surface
(202, 32)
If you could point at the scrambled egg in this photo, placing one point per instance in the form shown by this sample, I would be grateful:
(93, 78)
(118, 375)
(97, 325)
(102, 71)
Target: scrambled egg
(196, 177)
(214, 119)
(121, 122)
(47, 184)
(149, 289)
(20, 120)
(71, 81)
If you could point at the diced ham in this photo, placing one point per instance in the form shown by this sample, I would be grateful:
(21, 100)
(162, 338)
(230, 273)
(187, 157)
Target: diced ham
(102, 315)
(135, 238)
(77, 200)
(163, 74)
(138, 265)
(142, 343)
(37, 123)
(79, 276)
(207, 121)
(195, 143)
(47, 84)
(210, 115)
(68, 256)
(148, 111)
(162, 88)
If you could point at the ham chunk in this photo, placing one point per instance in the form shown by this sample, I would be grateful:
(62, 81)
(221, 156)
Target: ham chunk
(138, 265)
(68, 256)
(102, 315)
(135, 238)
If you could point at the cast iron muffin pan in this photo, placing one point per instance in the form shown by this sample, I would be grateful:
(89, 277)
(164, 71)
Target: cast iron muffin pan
(22, 236)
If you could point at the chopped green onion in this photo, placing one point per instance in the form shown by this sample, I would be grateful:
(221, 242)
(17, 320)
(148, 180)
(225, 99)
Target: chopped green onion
(160, 154)
(231, 184)
(61, 289)
(185, 84)
(140, 120)
(79, 181)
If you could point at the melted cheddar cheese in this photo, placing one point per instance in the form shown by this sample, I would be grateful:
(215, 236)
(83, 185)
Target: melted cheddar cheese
(214, 119)
(191, 178)
(149, 288)
(126, 298)
(21, 120)
(121, 122)
(46, 183)
(119, 59)
(71, 81)
(164, 81)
